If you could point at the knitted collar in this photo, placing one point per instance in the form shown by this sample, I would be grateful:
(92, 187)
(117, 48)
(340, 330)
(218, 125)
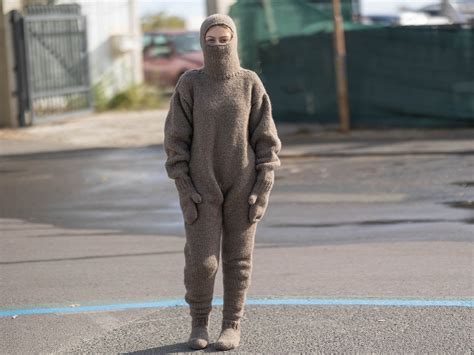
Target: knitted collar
(220, 61)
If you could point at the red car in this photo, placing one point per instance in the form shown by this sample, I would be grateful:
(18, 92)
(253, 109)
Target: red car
(168, 54)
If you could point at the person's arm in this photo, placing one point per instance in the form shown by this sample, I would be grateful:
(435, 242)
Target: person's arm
(264, 140)
(178, 138)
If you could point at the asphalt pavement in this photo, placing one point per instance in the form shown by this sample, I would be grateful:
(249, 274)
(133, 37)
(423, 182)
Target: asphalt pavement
(366, 245)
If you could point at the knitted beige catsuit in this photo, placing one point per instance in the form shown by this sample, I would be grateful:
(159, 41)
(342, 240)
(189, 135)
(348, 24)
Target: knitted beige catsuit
(222, 145)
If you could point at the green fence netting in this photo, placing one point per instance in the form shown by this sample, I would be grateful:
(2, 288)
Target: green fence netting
(262, 20)
(417, 76)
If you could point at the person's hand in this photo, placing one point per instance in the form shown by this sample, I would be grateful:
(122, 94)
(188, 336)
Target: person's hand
(188, 197)
(259, 196)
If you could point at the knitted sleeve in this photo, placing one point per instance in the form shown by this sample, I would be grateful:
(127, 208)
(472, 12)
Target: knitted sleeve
(178, 133)
(263, 133)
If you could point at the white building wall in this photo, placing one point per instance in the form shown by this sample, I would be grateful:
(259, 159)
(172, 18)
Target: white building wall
(114, 42)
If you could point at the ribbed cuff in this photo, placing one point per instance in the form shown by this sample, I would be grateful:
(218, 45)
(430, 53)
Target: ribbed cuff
(234, 324)
(264, 183)
(200, 321)
(262, 186)
(184, 184)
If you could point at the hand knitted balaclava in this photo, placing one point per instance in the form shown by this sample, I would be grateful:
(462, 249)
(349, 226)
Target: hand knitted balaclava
(220, 60)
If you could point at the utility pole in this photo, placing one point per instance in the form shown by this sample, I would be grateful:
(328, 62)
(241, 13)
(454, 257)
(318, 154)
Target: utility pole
(218, 6)
(340, 67)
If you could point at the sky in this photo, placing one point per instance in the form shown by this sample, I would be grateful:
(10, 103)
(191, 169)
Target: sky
(194, 10)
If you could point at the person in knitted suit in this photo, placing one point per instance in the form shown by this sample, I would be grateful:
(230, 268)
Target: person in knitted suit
(222, 148)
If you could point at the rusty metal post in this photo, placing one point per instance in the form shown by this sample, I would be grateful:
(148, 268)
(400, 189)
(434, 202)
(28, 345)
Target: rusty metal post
(340, 67)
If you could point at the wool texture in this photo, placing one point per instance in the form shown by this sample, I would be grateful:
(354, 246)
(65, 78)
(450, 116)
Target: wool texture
(222, 149)
(199, 337)
(229, 337)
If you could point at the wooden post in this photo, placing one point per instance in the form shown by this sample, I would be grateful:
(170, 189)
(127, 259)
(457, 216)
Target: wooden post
(340, 67)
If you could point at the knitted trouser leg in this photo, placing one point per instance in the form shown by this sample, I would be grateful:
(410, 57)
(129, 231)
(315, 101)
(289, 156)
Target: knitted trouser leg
(237, 249)
(201, 252)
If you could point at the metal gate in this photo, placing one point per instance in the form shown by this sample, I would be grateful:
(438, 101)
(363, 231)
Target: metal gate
(51, 62)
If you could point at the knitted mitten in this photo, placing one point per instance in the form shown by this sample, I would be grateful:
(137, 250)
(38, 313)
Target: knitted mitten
(188, 196)
(258, 199)
(199, 338)
(230, 335)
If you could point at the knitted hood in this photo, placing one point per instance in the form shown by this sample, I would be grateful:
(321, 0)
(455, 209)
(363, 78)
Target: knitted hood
(221, 60)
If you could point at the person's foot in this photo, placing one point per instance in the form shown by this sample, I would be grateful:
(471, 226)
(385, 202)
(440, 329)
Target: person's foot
(230, 335)
(199, 338)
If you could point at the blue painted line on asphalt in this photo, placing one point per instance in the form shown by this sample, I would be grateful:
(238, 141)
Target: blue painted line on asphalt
(8, 312)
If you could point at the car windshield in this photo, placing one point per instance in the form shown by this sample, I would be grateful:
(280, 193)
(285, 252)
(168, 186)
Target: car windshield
(186, 42)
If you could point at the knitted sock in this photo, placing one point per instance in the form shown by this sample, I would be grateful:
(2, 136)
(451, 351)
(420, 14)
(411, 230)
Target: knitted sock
(199, 338)
(230, 335)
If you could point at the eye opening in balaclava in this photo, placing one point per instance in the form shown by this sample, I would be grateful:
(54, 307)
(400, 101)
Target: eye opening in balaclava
(219, 44)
